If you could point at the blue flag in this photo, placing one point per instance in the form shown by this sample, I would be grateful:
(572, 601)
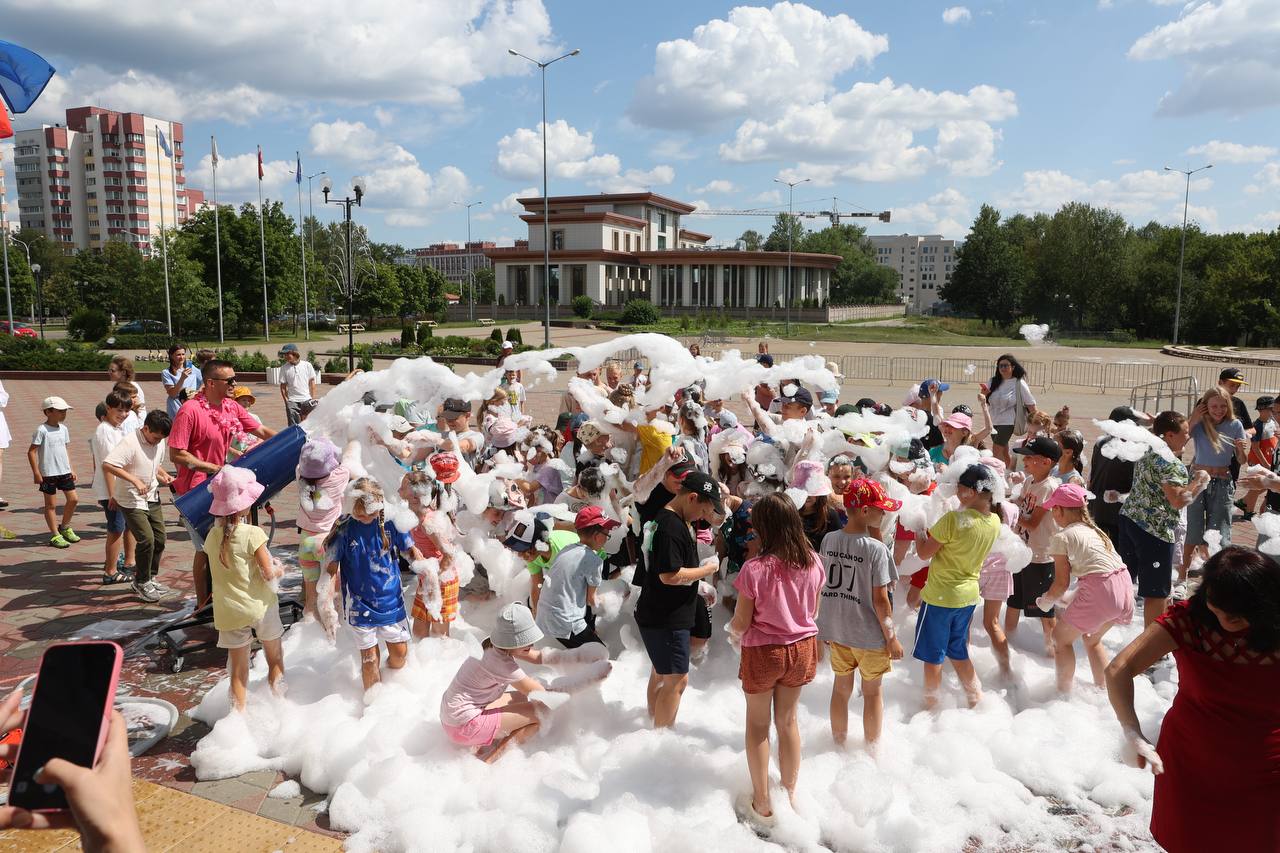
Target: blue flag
(164, 143)
(23, 76)
(297, 178)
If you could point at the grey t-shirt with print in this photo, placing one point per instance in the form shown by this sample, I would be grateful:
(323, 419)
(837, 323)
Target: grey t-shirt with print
(855, 564)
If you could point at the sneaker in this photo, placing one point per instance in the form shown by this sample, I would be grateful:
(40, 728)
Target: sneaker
(157, 589)
(144, 592)
(57, 541)
(69, 535)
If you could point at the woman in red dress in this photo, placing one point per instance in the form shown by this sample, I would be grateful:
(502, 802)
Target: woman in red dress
(1217, 761)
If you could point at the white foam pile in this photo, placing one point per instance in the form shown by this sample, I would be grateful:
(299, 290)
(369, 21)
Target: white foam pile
(1024, 770)
(1036, 334)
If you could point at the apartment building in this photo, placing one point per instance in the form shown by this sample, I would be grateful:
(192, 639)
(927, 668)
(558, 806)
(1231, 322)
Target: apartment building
(453, 261)
(101, 176)
(924, 263)
(614, 247)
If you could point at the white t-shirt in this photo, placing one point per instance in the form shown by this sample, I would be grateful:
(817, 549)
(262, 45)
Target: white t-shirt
(52, 441)
(104, 439)
(1004, 402)
(297, 379)
(135, 455)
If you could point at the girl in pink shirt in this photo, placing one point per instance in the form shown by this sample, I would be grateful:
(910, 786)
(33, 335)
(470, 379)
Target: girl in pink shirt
(776, 622)
(322, 480)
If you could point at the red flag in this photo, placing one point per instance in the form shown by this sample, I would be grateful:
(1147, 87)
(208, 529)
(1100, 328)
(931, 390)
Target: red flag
(260, 172)
(6, 129)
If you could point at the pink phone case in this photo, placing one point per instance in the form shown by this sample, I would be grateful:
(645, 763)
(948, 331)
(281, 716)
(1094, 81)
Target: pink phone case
(104, 725)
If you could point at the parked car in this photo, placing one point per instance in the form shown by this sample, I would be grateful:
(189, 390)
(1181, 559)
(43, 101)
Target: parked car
(142, 327)
(20, 330)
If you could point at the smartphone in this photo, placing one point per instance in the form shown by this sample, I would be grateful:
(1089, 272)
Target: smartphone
(985, 390)
(69, 715)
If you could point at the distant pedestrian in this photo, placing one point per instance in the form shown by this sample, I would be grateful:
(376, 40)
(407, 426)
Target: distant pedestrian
(298, 380)
(52, 471)
(1011, 403)
(181, 380)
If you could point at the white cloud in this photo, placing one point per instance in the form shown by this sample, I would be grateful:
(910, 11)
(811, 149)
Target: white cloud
(571, 155)
(1230, 50)
(1232, 152)
(1267, 179)
(238, 177)
(755, 62)
(1138, 195)
(719, 186)
(202, 60)
(509, 203)
(1123, 161)
(1266, 221)
(956, 15)
(948, 213)
(869, 133)
(769, 197)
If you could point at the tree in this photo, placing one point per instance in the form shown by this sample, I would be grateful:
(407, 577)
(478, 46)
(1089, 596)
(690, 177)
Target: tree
(22, 285)
(751, 240)
(858, 280)
(123, 268)
(782, 225)
(988, 279)
(1083, 268)
(483, 282)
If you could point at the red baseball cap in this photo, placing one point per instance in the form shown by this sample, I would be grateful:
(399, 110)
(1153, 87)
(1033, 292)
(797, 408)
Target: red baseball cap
(863, 492)
(593, 516)
(445, 467)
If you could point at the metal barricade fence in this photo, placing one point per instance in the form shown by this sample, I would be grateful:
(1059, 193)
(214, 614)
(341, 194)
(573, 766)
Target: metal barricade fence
(1079, 374)
(1126, 375)
(913, 369)
(961, 371)
(865, 367)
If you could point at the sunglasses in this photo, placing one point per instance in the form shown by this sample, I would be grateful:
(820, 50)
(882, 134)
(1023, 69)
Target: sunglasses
(230, 380)
(1002, 365)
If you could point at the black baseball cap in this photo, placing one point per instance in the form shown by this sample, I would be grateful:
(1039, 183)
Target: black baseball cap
(1232, 374)
(765, 359)
(704, 487)
(1041, 445)
(979, 478)
(456, 406)
(802, 396)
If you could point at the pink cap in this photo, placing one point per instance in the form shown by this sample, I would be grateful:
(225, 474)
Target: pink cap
(959, 420)
(234, 490)
(1067, 496)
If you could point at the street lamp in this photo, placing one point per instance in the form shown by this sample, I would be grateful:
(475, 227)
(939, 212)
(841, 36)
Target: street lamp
(791, 194)
(1182, 252)
(357, 186)
(471, 282)
(35, 271)
(546, 203)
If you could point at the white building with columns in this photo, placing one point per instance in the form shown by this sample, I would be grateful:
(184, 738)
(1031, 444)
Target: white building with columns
(621, 246)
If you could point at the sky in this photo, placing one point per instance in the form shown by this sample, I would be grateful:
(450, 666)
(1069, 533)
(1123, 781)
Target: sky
(925, 109)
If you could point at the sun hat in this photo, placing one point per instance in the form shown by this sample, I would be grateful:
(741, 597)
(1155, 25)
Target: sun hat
(411, 412)
(799, 395)
(593, 516)
(515, 628)
(835, 370)
(396, 423)
(808, 476)
(923, 389)
(639, 365)
(588, 432)
(1067, 496)
(508, 345)
(727, 419)
(55, 403)
(1232, 374)
(868, 493)
(234, 490)
(445, 467)
(455, 406)
(504, 432)
(830, 395)
(959, 420)
(242, 391)
(527, 531)
(288, 348)
(317, 459)
(1041, 445)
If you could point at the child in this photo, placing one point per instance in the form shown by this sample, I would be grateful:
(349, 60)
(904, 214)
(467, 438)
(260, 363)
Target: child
(956, 429)
(1061, 421)
(322, 481)
(434, 536)
(1036, 526)
(1104, 590)
(1070, 468)
(908, 467)
(1262, 451)
(52, 471)
(244, 575)
(570, 582)
(956, 547)
(1038, 423)
(476, 707)
(995, 583)
(856, 608)
(241, 441)
(366, 547)
(117, 566)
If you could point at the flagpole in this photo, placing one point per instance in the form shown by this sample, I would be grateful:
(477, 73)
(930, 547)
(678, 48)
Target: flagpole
(4, 249)
(173, 178)
(164, 248)
(302, 245)
(217, 236)
(262, 239)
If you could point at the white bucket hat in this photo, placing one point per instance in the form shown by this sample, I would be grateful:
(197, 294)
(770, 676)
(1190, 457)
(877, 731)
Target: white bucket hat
(515, 628)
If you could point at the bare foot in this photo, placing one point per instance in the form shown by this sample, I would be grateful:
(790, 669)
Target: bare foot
(488, 754)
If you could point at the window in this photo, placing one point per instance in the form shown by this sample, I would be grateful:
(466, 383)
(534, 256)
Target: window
(27, 167)
(628, 242)
(88, 182)
(615, 242)
(662, 241)
(662, 223)
(89, 167)
(134, 137)
(557, 241)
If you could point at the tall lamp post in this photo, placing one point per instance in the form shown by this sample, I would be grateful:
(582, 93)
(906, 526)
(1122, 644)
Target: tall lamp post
(357, 186)
(35, 271)
(1182, 252)
(546, 204)
(311, 210)
(471, 282)
(791, 195)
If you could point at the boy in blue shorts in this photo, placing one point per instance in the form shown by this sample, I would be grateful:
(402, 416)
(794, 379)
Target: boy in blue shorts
(956, 547)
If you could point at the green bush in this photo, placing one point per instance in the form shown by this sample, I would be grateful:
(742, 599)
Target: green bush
(408, 336)
(496, 336)
(640, 312)
(27, 354)
(1121, 336)
(337, 364)
(425, 332)
(150, 342)
(582, 306)
(684, 322)
(88, 324)
(513, 335)
(250, 362)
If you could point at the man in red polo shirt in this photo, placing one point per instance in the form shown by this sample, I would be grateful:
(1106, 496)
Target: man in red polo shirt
(198, 442)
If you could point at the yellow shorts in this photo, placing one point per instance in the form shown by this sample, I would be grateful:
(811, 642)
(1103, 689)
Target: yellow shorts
(871, 663)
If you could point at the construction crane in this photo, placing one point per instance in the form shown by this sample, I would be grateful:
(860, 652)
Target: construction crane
(834, 215)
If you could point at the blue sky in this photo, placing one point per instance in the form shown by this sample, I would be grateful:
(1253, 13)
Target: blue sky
(926, 109)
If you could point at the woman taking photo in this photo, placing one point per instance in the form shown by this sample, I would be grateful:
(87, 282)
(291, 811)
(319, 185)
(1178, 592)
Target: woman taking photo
(1010, 400)
(776, 622)
(1218, 438)
(181, 380)
(1217, 761)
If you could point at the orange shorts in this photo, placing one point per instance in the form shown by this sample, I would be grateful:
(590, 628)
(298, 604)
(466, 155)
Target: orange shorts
(448, 603)
(766, 667)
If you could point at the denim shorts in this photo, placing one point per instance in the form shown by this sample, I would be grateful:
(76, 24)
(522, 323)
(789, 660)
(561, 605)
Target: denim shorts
(115, 517)
(668, 649)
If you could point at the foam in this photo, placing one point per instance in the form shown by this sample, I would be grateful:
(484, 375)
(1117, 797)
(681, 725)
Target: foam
(1036, 334)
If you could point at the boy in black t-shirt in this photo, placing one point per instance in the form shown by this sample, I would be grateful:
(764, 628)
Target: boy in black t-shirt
(666, 610)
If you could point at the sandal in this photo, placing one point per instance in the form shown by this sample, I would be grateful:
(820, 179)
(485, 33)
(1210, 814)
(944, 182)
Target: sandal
(118, 577)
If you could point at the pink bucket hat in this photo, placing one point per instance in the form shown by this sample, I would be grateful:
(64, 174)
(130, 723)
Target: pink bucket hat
(504, 432)
(1067, 496)
(808, 476)
(234, 490)
(318, 458)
